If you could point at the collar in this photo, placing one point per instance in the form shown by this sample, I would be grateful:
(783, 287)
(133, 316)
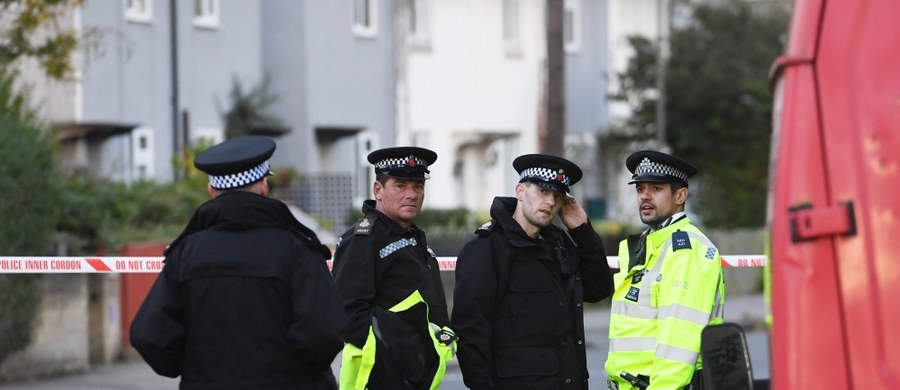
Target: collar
(674, 218)
(502, 210)
(660, 236)
(241, 210)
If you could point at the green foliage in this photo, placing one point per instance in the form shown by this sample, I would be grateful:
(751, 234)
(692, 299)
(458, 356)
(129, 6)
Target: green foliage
(32, 30)
(94, 209)
(108, 214)
(19, 302)
(284, 178)
(28, 182)
(249, 109)
(718, 106)
(432, 220)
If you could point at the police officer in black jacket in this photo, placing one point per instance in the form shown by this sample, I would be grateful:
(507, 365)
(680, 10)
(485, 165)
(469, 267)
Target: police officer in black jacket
(245, 300)
(391, 285)
(521, 281)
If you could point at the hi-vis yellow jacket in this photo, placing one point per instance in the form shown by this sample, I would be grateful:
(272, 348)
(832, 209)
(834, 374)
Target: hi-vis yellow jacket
(357, 364)
(660, 307)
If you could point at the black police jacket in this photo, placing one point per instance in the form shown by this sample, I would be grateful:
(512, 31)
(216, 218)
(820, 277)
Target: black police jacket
(245, 300)
(517, 306)
(379, 263)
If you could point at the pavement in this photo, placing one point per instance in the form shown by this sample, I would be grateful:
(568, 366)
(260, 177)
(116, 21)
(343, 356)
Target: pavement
(747, 310)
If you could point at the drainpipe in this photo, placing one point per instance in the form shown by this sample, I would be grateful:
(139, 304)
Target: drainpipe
(173, 34)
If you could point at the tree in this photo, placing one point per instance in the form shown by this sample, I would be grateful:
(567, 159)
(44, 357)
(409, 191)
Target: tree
(36, 29)
(29, 184)
(718, 107)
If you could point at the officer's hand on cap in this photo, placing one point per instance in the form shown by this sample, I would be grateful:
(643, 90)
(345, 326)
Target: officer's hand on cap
(571, 213)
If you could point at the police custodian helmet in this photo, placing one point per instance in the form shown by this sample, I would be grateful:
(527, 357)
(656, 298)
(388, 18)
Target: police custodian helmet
(653, 166)
(551, 172)
(237, 162)
(404, 162)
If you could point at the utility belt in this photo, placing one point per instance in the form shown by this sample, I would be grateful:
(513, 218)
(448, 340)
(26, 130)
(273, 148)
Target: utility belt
(643, 381)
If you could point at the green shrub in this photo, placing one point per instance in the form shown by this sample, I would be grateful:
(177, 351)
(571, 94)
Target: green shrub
(19, 301)
(30, 193)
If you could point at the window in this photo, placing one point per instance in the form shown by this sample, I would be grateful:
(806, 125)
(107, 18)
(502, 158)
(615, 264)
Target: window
(418, 22)
(511, 26)
(142, 158)
(140, 11)
(365, 15)
(206, 13)
(572, 26)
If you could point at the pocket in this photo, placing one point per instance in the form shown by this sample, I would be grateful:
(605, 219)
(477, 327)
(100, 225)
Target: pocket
(536, 309)
(406, 342)
(526, 361)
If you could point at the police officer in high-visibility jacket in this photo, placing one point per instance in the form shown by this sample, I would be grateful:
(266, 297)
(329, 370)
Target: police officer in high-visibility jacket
(669, 285)
(398, 336)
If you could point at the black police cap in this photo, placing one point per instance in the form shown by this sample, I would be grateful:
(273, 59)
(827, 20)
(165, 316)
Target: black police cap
(404, 162)
(653, 166)
(551, 172)
(236, 162)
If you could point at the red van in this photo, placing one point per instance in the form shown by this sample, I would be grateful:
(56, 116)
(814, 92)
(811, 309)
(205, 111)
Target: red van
(834, 200)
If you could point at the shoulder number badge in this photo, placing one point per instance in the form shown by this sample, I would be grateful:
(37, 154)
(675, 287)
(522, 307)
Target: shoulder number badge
(680, 240)
(363, 227)
(633, 294)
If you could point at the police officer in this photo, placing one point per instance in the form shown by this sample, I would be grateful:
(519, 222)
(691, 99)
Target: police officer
(397, 337)
(669, 286)
(521, 281)
(245, 300)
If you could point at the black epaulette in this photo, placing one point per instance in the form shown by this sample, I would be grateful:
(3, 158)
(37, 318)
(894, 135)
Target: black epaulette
(680, 240)
(485, 229)
(364, 226)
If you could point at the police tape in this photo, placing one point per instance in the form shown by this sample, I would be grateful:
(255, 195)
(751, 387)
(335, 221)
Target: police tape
(78, 265)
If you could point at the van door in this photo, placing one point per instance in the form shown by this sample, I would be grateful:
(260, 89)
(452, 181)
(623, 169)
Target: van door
(834, 205)
(858, 68)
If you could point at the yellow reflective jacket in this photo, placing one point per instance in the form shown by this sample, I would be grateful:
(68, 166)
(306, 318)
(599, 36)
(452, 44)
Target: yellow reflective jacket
(357, 363)
(660, 307)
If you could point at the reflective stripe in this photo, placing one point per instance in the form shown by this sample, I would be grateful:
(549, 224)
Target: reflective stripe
(718, 309)
(650, 277)
(629, 309)
(684, 313)
(677, 354)
(703, 240)
(395, 246)
(631, 344)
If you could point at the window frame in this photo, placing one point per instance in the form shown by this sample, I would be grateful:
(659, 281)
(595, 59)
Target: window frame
(511, 27)
(360, 27)
(572, 26)
(134, 14)
(419, 24)
(209, 14)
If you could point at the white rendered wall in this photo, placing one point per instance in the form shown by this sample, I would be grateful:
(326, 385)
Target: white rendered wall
(465, 82)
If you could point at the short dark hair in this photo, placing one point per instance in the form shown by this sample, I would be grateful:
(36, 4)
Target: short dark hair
(677, 185)
(382, 178)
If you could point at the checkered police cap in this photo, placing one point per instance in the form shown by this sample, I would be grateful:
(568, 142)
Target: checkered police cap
(406, 162)
(551, 172)
(410, 161)
(240, 179)
(653, 166)
(236, 162)
(545, 174)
